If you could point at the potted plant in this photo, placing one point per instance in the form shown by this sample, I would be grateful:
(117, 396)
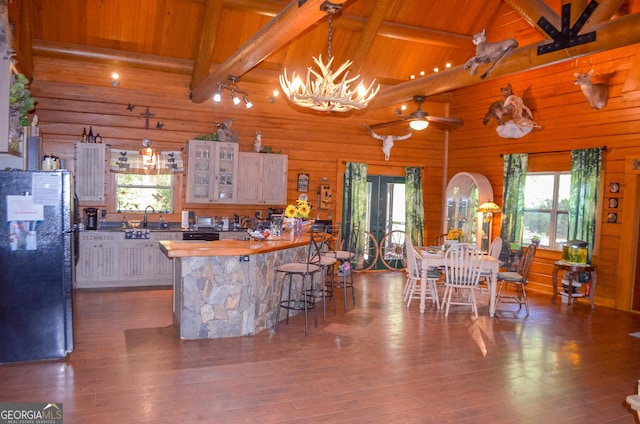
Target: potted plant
(535, 240)
(20, 99)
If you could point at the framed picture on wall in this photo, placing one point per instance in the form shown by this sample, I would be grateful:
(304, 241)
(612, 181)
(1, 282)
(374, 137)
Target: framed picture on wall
(303, 182)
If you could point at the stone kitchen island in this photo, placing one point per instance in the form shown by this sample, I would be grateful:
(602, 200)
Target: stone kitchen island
(226, 288)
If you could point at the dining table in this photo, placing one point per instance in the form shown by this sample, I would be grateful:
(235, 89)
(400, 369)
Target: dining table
(435, 258)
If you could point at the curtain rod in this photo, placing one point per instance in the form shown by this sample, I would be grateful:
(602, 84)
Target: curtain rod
(604, 148)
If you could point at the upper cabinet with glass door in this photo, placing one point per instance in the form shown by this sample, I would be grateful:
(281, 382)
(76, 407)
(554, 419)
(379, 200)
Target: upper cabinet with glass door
(465, 191)
(212, 172)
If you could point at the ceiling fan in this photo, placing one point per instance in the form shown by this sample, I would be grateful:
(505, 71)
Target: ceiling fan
(419, 120)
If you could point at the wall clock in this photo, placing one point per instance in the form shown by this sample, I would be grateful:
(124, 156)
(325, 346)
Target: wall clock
(614, 187)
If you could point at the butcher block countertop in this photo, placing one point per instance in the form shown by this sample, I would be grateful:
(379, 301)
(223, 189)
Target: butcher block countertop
(187, 248)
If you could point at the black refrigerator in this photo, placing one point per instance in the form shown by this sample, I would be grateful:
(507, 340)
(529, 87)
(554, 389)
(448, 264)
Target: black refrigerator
(38, 234)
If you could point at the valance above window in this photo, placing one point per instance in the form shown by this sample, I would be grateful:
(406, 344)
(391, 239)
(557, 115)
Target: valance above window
(132, 162)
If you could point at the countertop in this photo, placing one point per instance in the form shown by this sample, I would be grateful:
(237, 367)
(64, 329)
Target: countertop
(186, 248)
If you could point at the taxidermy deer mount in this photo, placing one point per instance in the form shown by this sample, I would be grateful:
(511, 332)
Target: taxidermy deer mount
(387, 141)
(597, 94)
(489, 52)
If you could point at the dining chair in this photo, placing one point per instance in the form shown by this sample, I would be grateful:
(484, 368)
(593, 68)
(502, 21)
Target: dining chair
(519, 278)
(494, 250)
(414, 270)
(462, 265)
(304, 296)
(438, 240)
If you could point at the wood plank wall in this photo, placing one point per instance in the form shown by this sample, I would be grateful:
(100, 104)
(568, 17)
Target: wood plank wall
(75, 95)
(568, 123)
(72, 95)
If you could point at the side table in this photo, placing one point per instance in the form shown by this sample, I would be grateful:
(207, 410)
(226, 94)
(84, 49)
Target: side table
(573, 270)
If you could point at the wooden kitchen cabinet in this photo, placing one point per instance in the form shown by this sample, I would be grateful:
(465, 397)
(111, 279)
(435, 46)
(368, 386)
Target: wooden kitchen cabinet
(107, 259)
(212, 172)
(262, 179)
(98, 259)
(90, 172)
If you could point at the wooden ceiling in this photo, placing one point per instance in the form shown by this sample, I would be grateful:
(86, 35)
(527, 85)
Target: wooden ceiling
(388, 40)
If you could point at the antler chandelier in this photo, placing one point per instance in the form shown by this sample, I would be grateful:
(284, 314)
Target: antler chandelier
(327, 90)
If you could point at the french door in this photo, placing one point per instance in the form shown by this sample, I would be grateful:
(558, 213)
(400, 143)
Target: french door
(386, 213)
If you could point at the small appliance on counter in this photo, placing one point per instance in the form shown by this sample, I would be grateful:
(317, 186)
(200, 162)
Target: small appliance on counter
(91, 218)
(188, 220)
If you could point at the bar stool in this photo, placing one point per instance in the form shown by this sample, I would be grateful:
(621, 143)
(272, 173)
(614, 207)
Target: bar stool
(336, 244)
(326, 263)
(304, 299)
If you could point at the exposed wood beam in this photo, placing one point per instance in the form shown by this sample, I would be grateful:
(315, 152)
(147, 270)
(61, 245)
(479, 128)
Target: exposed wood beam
(424, 36)
(210, 25)
(102, 55)
(369, 32)
(612, 34)
(532, 10)
(357, 24)
(605, 10)
(276, 34)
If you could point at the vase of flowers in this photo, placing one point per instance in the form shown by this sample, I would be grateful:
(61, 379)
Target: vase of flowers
(454, 235)
(297, 213)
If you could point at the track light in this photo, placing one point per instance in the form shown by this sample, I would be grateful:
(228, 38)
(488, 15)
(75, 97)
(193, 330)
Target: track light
(234, 98)
(217, 97)
(235, 91)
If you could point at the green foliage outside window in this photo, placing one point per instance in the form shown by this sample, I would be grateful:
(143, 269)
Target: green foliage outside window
(135, 192)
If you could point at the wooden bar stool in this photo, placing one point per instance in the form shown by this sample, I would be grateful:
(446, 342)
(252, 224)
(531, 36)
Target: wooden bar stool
(305, 298)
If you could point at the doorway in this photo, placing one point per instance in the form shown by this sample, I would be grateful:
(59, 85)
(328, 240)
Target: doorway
(385, 211)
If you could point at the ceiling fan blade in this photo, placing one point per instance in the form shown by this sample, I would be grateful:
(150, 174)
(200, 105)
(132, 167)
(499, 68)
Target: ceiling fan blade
(445, 123)
(439, 122)
(389, 123)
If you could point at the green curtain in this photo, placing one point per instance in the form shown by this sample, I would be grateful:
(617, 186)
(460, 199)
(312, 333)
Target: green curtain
(354, 205)
(414, 205)
(515, 172)
(585, 176)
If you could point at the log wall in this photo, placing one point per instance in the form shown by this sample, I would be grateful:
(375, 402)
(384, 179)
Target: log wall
(568, 123)
(72, 95)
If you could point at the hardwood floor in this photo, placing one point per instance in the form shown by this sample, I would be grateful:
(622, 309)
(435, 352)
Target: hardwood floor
(378, 363)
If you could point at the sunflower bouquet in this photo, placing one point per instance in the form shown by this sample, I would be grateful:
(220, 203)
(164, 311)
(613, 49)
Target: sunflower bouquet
(455, 234)
(301, 210)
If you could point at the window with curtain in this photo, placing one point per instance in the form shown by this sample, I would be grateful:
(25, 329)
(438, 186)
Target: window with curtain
(134, 192)
(144, 180)
(546, 208)
(580, 201)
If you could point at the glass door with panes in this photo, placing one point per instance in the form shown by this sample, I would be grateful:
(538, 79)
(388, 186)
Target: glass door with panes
(385, 219)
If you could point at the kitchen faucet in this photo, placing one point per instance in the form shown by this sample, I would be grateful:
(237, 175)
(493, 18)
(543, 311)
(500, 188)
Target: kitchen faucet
(144, 220)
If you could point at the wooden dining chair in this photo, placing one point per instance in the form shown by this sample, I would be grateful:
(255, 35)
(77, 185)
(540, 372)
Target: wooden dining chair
(494, 251)
(462, 266)
(519, 278)
(412, 286)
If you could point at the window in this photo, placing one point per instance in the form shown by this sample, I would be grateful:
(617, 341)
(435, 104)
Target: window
(546, 208)
(135, 192)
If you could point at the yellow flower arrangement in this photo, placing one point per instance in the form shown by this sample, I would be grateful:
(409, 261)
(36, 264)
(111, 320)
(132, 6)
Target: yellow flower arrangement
(455, 234)
(302, 210)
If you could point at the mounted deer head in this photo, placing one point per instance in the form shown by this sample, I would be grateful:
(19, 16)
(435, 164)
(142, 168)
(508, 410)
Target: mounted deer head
(597, 94)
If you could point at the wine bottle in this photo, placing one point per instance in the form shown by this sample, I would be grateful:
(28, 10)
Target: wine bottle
(90, 138)
(84, 135)
(98, 139)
